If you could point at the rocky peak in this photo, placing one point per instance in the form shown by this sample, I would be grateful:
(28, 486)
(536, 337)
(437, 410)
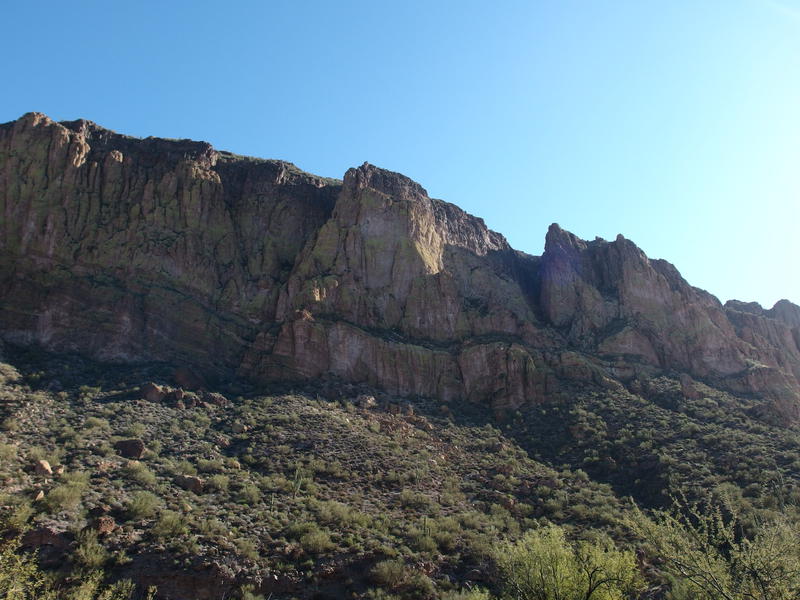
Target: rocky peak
(559, 241)
(787, 312)
(171, 250)
(383, 181)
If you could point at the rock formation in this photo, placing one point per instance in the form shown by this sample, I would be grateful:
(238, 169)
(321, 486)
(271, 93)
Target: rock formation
(148, 249)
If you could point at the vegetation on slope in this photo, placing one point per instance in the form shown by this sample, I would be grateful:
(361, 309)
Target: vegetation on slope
(305, 495)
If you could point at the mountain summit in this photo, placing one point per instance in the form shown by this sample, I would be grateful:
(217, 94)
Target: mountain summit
(130, 250)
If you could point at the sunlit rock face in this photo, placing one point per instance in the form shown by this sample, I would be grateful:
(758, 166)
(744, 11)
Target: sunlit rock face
(149, 249)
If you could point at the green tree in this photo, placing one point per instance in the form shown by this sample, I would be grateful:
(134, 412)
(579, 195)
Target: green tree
(543, 565)
(704, 553)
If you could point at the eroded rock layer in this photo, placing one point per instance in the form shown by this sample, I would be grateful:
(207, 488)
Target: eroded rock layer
(148, 249)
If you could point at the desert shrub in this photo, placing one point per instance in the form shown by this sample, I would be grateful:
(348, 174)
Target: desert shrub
(52, 456)
(67, 496)
(339, 514)
(317, 542)
(249, 494)
(170, 524)
(707, 554)
(140, 473)
(21, 578)
(412, 499)
(389, 573)
(96, 423)
(247, 549)
(135, 430)
(19, 516)
(296, 530)
(210, 465)
(543, 565)
(143, 505)
(90, 552)
(219, 483)
(8, 452)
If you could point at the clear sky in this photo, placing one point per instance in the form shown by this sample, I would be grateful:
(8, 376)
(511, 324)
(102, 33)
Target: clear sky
(673, 122)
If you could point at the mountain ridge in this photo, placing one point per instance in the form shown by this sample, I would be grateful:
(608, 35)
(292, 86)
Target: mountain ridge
(135, 249)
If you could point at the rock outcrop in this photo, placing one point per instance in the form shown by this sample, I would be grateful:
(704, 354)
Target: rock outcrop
(148, 249)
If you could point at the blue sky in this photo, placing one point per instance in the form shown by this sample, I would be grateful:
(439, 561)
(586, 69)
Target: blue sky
(674, 122)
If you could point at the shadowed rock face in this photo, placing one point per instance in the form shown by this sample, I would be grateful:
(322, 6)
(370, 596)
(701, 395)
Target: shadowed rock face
(148, 249)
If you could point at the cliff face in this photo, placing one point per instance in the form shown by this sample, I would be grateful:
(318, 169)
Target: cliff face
(130, 249)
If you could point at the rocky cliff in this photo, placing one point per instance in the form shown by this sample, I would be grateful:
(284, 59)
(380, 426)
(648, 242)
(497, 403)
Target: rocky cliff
(149, 249)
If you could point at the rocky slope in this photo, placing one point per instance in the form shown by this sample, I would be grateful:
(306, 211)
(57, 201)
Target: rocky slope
(148, 249)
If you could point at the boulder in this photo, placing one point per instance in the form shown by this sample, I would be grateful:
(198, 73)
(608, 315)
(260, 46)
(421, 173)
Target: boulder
(191, 483)
(133, 449)
(42, 467)
(152, 392)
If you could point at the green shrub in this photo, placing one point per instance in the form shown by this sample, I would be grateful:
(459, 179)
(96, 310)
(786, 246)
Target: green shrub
(249, 494)
(210, 466)
(389, 573)
(143, 505)
(219, 483)
(170, 524)
(8, 452)
(317, 542)
(340, 514)
(140, 473)
(708, 555)
(543, 565)
(90, 553)
(21, 578)
(65, 497)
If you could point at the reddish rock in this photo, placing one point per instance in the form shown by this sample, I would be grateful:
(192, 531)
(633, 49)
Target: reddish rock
(130, 448)
(152, 392)
(42, 467)
(191, 483)
(277, 274)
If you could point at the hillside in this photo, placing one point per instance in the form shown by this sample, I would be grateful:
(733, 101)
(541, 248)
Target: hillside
(253, 376)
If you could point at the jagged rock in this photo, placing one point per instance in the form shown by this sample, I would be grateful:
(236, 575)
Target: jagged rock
(133, 449)
(152, 392)
(171, 250)
(42, 467)
(191, 483)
